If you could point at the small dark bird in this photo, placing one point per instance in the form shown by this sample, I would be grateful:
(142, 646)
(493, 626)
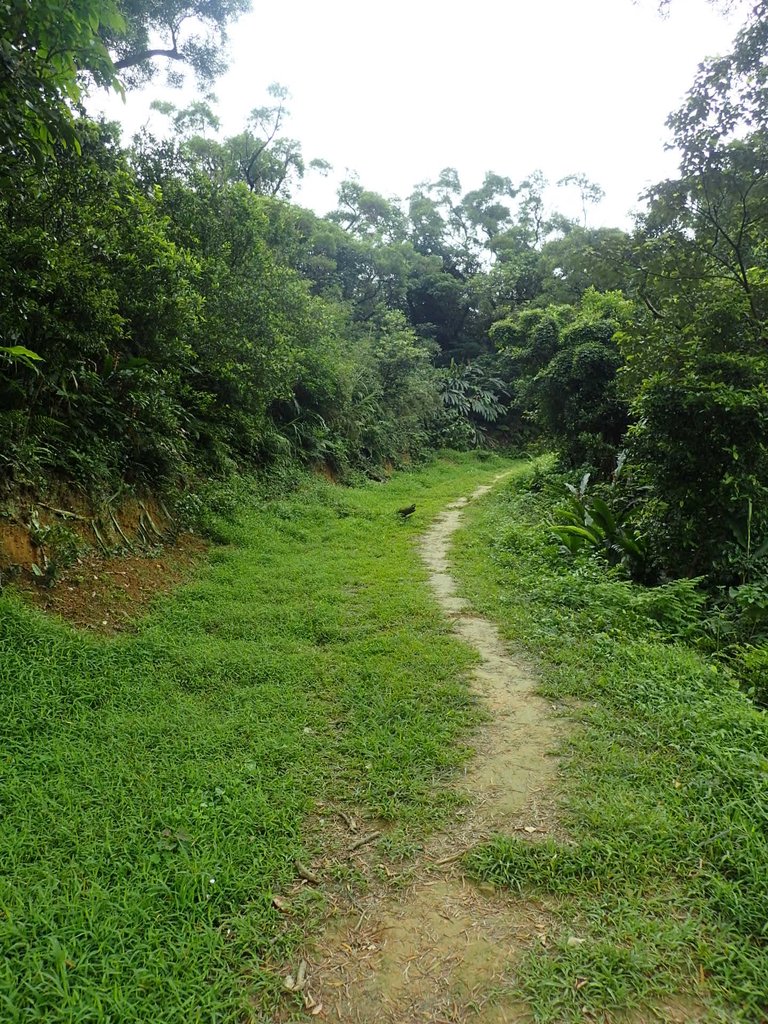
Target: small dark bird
(407, 511)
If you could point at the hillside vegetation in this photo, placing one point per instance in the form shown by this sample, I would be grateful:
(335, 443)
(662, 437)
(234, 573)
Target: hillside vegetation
(170, 313)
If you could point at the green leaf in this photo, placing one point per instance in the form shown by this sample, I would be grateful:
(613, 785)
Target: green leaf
(19, 352)
(602, 515)
(581, 531)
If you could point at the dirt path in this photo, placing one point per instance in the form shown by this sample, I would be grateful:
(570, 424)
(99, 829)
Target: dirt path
(432, 947)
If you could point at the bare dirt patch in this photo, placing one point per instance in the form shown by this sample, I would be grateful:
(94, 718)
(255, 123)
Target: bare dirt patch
(428, 945)
(108, 594)
(97, 566)
(678, 1010)
(443, 950)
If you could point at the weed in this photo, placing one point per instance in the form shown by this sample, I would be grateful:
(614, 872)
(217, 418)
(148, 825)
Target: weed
(400, 844)
(59, 548)
(587, 520)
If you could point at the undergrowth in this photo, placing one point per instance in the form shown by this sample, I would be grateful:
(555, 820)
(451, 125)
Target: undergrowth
(155, 785)
(664, 887)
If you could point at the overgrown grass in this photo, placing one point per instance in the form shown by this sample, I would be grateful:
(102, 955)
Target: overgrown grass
(665, 888)
(154, 786)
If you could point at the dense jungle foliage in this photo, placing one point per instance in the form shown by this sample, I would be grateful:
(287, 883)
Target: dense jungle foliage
(168, 313)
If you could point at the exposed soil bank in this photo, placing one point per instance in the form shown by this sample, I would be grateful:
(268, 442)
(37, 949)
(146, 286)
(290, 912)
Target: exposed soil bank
(109, 594)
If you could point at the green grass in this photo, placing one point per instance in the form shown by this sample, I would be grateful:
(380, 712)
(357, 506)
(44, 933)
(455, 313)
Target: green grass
(154, 786)
(666, 785)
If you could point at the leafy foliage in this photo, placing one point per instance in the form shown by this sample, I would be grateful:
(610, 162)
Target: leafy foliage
(44, 47)
(696, 364)
(187, 318)
(184, 33)
(564, 362)
(50, 48)
(158, 331)
(588, 520)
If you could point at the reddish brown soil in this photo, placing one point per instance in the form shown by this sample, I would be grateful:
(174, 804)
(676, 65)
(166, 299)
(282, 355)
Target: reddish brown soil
(326, 472)
(108, 595)
(16, 547)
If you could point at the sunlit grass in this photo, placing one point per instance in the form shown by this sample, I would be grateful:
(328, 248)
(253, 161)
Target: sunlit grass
(154, 786)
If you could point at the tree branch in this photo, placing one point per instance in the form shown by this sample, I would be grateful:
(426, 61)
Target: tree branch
(139, 58)
(657, 315)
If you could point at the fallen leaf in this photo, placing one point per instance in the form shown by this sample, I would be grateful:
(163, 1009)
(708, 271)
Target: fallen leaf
(301, 976)
(304, 872)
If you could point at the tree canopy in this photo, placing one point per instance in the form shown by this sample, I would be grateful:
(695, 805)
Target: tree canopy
(187, 33)
(51, 49)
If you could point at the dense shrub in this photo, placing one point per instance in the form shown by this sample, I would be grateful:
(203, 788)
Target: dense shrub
(562, 363)
(169, 336)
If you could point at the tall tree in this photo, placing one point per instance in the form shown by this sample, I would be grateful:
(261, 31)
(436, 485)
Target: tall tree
(49, 49)
(178, 33)
(697, 360)
(44, 48)
(260, 156)
(590, 193)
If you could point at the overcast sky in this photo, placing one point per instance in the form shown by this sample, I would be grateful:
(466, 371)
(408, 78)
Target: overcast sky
(397, 91)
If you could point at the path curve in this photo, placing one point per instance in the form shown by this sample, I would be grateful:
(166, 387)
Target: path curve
(442, 950)
(513, 759)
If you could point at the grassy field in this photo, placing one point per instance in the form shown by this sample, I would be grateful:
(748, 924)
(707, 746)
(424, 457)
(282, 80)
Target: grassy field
(664, 889)
(154, 785)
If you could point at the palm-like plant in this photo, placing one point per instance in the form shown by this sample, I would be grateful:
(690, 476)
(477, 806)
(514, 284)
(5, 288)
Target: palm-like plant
(471, 392)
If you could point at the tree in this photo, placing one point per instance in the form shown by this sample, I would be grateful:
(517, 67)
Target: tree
(366, 214)
(268, 163)
(95, 287)
(696, 360)
(49, 50)
(187, 33)
(190, 121)
(430, 208)
(590, 193)
(729, 95)
(461, 229)
(580, 259)
(485, 211)
(697, 365)
(44, 48)
(562, 363)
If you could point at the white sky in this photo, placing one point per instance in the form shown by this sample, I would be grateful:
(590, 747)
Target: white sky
(399, 90)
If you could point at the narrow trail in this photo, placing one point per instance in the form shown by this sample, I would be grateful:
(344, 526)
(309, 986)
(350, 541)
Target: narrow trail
(433, 947)
(513, 759)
